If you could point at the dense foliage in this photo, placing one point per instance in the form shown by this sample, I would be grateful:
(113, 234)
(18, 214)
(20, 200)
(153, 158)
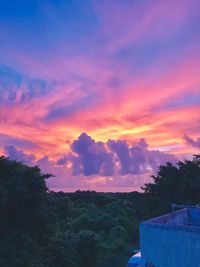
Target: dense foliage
(40, 228)
(178, 183)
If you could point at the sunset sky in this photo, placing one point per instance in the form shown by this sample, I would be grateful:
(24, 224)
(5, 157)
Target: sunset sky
(99, 92)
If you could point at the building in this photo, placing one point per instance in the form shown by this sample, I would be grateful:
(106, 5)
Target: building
(172, 240)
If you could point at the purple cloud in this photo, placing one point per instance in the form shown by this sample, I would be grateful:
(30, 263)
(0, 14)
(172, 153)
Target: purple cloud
(15, 154)
(63, 160)
(82, 144)
(115, 156)
(93, 156)
(117, 162)
(138, 159)
(121, 149)
(192, 142)
(16, 87)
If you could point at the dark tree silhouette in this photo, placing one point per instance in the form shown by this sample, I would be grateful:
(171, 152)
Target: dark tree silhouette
(177, 183)
(40, 228)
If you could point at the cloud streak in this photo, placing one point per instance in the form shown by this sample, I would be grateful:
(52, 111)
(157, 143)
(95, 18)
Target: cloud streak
(192, 142)
(119, 71)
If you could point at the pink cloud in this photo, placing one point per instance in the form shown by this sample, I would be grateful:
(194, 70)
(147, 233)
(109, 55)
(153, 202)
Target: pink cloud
(134, 75)
(132, 21)
(90, 163)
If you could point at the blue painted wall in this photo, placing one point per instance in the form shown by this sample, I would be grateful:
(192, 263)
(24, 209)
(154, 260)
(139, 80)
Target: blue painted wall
(170, 246)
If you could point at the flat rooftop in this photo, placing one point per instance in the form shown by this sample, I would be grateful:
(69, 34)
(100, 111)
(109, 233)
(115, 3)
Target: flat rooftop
(186, 217)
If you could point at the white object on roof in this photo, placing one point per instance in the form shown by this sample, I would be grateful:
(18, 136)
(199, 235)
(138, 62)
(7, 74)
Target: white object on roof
(135, 260)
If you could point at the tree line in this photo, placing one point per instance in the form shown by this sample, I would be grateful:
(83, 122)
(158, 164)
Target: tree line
(41, 228)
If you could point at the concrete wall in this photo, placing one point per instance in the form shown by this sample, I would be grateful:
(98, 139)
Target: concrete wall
(170, 246)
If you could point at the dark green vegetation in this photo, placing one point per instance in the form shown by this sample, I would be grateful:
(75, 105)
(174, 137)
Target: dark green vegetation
(39, 228)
